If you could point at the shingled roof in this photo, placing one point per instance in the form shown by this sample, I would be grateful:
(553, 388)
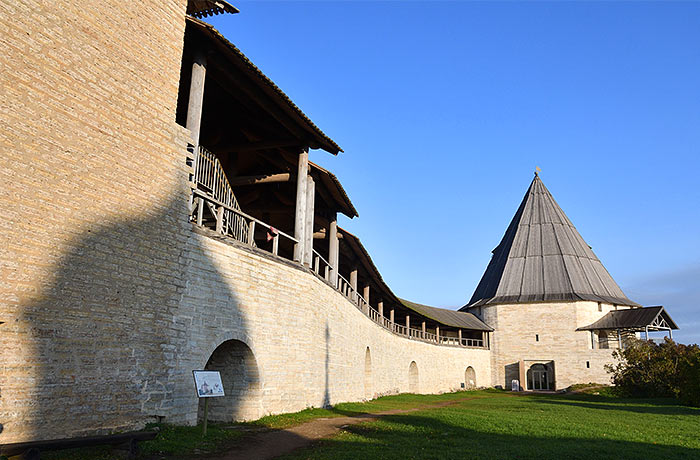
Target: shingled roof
(542, 258)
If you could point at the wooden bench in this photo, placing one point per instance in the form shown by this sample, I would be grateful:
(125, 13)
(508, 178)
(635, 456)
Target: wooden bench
(32, 450)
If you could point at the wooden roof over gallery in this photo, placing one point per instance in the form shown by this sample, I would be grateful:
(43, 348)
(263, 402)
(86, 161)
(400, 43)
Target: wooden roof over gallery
(238, 70)
(543, 258)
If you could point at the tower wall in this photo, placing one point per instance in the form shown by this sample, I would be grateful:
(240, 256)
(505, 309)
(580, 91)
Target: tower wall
(518, 326)
(94, 212)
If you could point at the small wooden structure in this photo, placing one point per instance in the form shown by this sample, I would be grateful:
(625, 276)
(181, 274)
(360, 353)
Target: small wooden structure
(613, 329)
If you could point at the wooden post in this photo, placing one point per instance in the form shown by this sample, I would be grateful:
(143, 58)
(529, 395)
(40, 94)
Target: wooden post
(380, 308)
(200, 210)
(592, 340)
(459, 334)
(275, 244)
(220, 220)
(300, 214)
(333, 247)
(408, 325)
(365, 294)
(619, 340)
(251, 232)
(423, 329)
(353, 284)
(196, 100)
(206, 416)
(309, 224)
(391, 318)
(437, 333)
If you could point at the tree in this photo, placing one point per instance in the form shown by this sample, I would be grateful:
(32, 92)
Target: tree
(647, 369)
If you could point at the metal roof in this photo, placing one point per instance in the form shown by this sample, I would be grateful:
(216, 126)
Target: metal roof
(204, 8)
(236, 57)
(633, 318)
(448, 317)
(543, 258)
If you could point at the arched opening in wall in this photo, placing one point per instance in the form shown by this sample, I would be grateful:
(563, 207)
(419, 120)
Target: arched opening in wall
(413, 385)
(470, 378)
(540, 377)
(239, 374)
(368, 374)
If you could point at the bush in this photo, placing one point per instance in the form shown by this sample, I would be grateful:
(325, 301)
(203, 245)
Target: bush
(669, 369)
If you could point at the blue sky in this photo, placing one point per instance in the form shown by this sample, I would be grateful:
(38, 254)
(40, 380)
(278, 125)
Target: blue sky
(445, 108)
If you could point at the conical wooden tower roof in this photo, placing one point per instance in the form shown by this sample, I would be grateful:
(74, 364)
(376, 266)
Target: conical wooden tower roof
(543, 258)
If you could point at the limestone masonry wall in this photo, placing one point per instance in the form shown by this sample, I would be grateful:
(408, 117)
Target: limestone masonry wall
(308, 340)
(93, 204)
(517, 325)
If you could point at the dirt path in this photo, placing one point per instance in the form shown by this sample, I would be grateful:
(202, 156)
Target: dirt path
(271, 444)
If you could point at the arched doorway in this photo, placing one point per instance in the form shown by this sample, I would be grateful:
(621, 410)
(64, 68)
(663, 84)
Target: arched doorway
(538, 377)
(239, 374)
(368, 374)
(413, 385)
(470, 378)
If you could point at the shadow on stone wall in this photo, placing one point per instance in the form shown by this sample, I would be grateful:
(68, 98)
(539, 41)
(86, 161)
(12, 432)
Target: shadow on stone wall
(326, 385)
(108, 342)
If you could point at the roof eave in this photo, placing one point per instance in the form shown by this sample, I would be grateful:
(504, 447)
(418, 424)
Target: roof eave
(317, 138)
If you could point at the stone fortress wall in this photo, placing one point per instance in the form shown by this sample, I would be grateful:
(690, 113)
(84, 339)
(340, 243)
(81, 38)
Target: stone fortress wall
(108, 297)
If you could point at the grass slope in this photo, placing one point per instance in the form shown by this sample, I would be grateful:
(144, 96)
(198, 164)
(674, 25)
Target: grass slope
(497, 425)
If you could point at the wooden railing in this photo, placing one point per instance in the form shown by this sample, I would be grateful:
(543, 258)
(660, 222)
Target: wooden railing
(202, 199)
(210, 178)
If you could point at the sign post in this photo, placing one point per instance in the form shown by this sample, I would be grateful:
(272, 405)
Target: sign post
(207, 384)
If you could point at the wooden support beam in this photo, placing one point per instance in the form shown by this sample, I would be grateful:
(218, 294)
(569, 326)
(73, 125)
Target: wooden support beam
(353, 284)
(196, 99)
(309, 224)
(260, 179)
(380, 308)
(437, 333)
(408, 322)
(365, 293)
(261, 145)
(333, 247)
(220, 219)
(459, 334)
(391, 316)
(300, 215)
(251, 232)
(200, 210)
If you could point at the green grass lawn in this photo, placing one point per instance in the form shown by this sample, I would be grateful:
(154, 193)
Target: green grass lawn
(498, 425)
(486, 424)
